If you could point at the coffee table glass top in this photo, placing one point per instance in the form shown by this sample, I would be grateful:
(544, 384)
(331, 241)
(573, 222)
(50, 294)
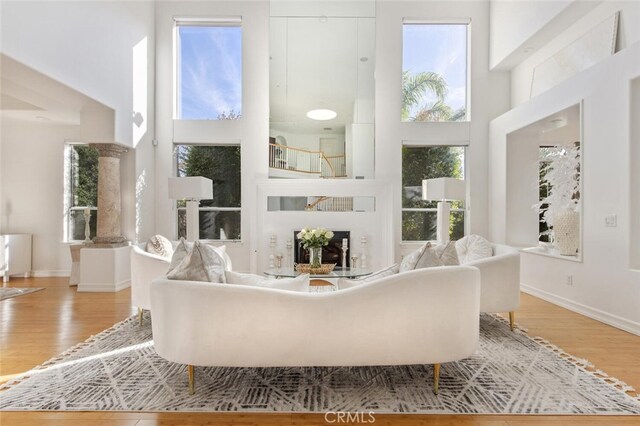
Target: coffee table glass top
(338, 272)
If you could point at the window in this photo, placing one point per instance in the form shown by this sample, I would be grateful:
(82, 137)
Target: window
(81, 190)
(427, 162)
(434, 72)
(209, 70)
(220, 216)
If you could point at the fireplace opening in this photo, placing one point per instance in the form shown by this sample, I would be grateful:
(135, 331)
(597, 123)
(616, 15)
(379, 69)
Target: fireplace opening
(331, 253)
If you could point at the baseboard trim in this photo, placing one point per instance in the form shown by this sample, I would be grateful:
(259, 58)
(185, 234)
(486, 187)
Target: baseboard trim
(593, 313)
(50, 273)
(104, 288)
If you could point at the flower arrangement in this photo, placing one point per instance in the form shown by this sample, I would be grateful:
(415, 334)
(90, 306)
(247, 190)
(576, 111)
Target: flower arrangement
(314, 238)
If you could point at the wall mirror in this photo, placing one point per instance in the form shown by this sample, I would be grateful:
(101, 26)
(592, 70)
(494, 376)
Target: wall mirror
(544, 184)
(322, 60)
(321, 203)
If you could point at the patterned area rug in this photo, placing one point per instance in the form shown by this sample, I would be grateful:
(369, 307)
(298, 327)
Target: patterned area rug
(9, 292)
(511, 373)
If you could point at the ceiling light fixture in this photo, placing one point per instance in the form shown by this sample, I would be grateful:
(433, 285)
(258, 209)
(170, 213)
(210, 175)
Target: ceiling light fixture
(321, 114)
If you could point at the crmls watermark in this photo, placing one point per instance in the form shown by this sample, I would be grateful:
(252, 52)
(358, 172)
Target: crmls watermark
(342, 417)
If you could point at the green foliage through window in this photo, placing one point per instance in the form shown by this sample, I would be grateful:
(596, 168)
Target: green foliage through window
(82, 189)
(219, 216)
(419, 216)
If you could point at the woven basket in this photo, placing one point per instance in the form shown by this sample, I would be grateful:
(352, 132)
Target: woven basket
(306, 268)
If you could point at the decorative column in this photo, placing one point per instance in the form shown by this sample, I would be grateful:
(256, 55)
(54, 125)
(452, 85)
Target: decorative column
(109, 197)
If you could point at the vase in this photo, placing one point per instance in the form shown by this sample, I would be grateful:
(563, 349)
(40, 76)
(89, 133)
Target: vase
(566, 232)
(315, 257)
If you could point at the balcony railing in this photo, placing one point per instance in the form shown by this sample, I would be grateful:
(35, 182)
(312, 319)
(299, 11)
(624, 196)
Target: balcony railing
(303, 161)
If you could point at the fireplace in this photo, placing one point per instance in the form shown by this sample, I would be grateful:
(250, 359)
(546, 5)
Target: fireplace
(331, 253)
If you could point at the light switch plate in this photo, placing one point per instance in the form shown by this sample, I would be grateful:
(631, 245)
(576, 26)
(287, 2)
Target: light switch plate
(611, 221)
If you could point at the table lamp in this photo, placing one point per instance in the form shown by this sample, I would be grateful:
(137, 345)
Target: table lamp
(443, 190)
(193, 189)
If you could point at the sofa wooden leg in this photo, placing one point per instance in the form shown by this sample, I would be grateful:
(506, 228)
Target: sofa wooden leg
(512, 319)
(436, 378)
(192, 380)
(140, 311)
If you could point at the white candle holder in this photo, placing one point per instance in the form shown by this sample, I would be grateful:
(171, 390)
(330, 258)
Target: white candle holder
(272, 256)
(363, 255)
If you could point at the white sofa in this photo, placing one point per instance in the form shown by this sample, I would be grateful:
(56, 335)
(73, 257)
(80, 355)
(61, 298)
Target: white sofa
(427, 316)
(500, 281)
(145, 267)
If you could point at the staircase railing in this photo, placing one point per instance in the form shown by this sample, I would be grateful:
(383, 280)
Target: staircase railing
(300, 160)
(332, 204)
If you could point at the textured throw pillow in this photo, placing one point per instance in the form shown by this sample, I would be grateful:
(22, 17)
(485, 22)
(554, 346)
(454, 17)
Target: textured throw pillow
(160, 245)
(386, 272)
(299, 283)
(447, 253)
(410, 261)
(429, 258)
(473, 247)
(203, 263)
(183, 248)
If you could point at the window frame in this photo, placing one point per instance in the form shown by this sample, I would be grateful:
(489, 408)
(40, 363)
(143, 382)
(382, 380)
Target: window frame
(69, 207)
(465, 211)
(444, 21)
(219, 21)
(207, 208)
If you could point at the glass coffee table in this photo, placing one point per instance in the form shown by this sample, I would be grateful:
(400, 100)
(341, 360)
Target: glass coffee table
(319, 283)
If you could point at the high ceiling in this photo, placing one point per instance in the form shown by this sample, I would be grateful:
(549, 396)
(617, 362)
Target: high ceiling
(27, 96)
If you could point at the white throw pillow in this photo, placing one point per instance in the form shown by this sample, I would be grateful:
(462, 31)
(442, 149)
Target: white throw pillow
(160, 245)
(386, 272)
(299, 283)
(447, 253)
(410, 261)
(429, 258)
(473, 247)
(203, 263)
(184, 247)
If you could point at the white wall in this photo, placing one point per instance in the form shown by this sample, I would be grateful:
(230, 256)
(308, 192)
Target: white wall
(104, 50)
(628, 34)
(604, 286)
(522, 189)
(634, 165)
(32, 179)
(489, 97)
(513, 23)
(85, 45)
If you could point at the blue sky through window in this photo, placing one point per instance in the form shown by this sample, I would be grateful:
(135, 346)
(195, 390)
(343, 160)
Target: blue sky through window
(210, 72)
(439, 48)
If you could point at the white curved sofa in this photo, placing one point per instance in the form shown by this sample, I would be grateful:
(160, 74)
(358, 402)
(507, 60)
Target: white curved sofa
(427, 316)
(499, 281)
(145, 267)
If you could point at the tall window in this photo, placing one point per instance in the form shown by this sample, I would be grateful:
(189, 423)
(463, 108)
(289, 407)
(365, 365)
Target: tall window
(219, 216)
(81, 192)
(209, 70)
(434, 72)
(427, 162)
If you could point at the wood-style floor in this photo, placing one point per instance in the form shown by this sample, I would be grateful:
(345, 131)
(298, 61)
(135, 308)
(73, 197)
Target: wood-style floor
(38, 326)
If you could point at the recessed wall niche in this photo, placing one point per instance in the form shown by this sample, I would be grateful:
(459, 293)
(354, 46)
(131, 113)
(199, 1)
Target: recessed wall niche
(528, 149)
(634, 175)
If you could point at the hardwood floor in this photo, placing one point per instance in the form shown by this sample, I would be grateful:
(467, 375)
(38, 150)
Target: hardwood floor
(40, 325)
